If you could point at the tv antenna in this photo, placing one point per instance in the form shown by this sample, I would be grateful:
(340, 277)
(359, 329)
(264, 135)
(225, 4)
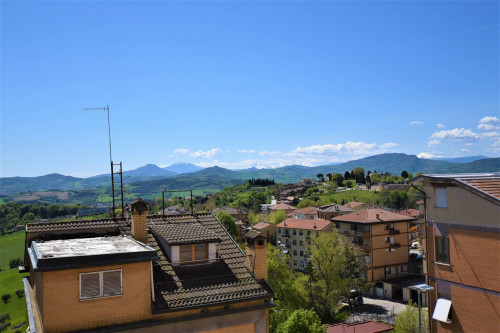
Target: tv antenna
(119, 173)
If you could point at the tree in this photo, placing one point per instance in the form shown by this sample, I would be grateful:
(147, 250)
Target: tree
(329, 177)
(306, 203)
(347, 175)
(407, 320)
(398, 199)
(5, 298)
(276, 217)
(359, 175)
(302, 321)
(228, 222)
(320, 177)
(404, 174)
(338, 179)
(336, 268)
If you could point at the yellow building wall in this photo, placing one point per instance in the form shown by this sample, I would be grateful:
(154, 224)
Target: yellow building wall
(246, 328)
(62, 309)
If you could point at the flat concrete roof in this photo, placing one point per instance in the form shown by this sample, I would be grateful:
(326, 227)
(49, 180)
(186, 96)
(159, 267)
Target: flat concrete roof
(89, 246)
(85, 252)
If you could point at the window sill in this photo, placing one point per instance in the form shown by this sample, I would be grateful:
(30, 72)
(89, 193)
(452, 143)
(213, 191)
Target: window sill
(442, 264)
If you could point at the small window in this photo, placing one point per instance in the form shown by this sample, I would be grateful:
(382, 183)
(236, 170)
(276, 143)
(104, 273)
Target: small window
(294, 231)
(301, 253)
(301, 243)
(294, 252)
(101, 284)
(193, 252)
(294, 242)
(441, 198)
(301, 232)
(442, 249)
(279, 231)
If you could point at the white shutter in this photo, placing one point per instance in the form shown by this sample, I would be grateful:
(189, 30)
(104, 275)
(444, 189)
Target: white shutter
(441, 198)
(89, 286)
(112, 283)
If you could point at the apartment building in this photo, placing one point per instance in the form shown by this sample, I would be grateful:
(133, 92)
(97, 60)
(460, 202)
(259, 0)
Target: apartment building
(179, 273)
(463, 242)
(306, 213)
(383, 235)
(328, 211)
(294, 235)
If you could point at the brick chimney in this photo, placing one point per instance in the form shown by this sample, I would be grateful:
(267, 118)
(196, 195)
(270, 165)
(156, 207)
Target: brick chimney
(256, 254)
(139, 210)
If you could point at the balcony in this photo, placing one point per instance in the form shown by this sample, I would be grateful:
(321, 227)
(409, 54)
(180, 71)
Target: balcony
(350, 232)
(393, 232)
(394, 246)
(286, 235)
(366, 248)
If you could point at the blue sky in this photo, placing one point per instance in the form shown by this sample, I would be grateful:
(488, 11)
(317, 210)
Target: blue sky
(241, 84)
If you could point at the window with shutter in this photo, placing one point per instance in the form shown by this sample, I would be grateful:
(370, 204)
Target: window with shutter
(90, 286)
(111, 283)
(101, 284)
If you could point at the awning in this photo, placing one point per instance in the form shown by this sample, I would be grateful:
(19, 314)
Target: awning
(442, 310)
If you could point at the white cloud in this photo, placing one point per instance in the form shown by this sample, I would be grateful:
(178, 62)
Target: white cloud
(416, 123)
(181, 151)
(350, 147)
(487, 127)
(490, 134)
(433, 142)
(245, 151)
(489, 120)
(456, 134)
(270, 153)
(440, 126)
(206, 154)
(428, 155)
(465, 150)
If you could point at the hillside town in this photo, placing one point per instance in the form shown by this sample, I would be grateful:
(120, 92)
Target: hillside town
(348, 264)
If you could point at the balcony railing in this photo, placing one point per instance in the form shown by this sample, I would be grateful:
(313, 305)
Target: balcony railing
(394, 246)
(393, 232)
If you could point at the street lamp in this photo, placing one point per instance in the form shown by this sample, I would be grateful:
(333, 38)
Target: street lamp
(421, 288)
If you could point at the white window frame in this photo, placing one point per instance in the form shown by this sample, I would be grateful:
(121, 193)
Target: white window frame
(101, 286)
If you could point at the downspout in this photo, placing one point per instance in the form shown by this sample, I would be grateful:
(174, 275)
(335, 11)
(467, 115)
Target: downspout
(152, 283)
(426, 257)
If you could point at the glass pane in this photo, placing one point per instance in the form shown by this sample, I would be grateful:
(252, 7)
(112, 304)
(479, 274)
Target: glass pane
(200, 251)
(112, 283)
(89, 286)
(439, 247)
(446, 249)
(185, 253)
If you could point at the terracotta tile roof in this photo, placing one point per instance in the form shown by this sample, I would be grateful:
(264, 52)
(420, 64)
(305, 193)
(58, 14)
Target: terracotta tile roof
(334, 208)
(368, 326)
(261, 225)
(92, 226)
(304, 224)
(411, 212)
(281, 206)
(489, 186)
(353, 204)
(373, 215)
(184, 233)
(306, 211)
(224, 281)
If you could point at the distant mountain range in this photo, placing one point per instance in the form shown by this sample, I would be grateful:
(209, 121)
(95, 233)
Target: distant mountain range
(151, 178)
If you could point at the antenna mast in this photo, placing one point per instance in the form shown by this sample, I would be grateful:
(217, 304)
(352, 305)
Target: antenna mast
(106, 108)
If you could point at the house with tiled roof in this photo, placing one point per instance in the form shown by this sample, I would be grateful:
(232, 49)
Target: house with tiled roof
(354, 205)
(237, 213)
(329, 211)
(294, 235)
(267, 230)
(383, 236)
(306, 213)
(284, 207)
(462, 223)
(179, 273)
